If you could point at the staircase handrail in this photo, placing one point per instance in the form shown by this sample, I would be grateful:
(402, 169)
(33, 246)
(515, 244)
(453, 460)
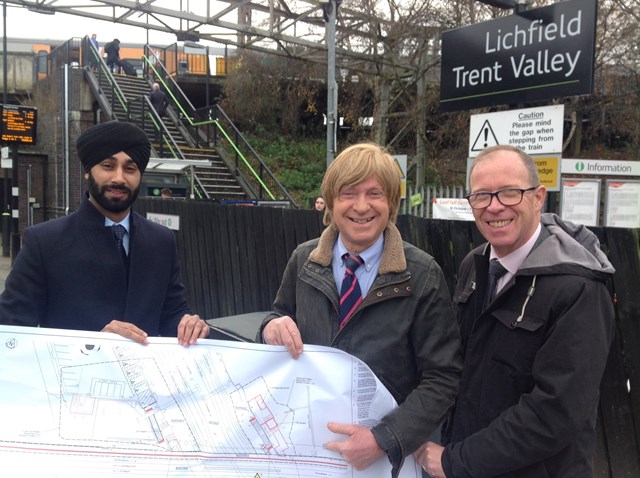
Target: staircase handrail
(166, 138)
(91, 55)
(152, 61)
(219, 113)
(189, 117)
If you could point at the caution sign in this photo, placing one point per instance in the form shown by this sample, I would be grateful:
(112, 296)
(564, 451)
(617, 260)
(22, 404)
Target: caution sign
(486, 137)
(533, 130)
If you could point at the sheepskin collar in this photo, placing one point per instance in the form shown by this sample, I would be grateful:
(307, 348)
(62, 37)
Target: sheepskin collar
(392, 260)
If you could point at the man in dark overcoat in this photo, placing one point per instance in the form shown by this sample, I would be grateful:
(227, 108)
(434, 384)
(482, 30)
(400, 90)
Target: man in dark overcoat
(77, 272)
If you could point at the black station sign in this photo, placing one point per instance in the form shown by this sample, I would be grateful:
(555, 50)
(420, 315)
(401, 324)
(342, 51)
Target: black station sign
(537, 54)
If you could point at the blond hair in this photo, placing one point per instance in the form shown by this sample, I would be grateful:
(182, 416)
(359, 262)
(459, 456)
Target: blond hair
(356, 164)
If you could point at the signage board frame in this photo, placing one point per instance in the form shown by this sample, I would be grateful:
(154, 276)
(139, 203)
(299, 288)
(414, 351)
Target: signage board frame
(533, 55)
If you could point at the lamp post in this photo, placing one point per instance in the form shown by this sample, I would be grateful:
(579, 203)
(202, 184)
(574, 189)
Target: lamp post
(6, 224)
(330, 7)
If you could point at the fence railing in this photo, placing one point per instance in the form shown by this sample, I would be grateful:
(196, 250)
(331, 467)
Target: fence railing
(419, 201)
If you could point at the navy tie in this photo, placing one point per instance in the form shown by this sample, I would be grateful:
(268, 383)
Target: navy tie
(496, 270)
(350, 293)
(119, 231)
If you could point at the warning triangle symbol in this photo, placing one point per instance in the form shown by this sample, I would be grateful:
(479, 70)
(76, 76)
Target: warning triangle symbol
(486, 137)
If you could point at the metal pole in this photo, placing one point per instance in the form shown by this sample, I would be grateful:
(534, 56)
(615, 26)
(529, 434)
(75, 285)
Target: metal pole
(208, 77)
(67, 159)
(332, 87)
(192, 194)
(15, 193)
(29, 193)
(521, 5)
(6, 214)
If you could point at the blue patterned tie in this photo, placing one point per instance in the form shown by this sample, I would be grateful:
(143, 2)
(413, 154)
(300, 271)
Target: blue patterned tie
(119, 231)
(350, 293)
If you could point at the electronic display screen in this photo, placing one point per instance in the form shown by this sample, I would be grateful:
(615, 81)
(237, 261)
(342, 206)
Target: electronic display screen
(19, 124)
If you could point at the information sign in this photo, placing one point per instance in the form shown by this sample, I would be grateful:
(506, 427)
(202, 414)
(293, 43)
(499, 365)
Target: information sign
(600, 167)
(18, 124)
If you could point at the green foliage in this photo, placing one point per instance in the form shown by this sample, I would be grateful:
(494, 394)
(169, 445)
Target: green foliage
(299, 164)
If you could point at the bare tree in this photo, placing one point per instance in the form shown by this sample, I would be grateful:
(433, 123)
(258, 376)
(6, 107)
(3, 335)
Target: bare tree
(273, 93)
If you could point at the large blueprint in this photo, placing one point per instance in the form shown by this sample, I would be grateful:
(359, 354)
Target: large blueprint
(78, 404)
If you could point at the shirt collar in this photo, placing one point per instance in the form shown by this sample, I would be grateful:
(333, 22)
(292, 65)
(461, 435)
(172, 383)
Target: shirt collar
(370, 255)
(514, 260)
(125, 222)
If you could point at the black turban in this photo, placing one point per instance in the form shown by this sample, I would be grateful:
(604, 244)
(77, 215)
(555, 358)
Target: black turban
(103, 140)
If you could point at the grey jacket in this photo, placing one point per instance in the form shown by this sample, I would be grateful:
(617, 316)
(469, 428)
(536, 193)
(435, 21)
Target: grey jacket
(533, 361)
(404, 330)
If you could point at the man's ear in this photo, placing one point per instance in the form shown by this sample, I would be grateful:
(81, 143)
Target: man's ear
(86, 176)
(540, 195)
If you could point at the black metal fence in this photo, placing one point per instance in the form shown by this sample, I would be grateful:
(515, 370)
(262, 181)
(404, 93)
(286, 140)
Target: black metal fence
(233, 258)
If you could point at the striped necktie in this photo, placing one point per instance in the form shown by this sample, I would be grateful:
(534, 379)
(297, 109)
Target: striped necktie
(350, 293)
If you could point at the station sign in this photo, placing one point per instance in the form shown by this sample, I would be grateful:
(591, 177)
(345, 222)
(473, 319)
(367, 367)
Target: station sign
(537, 54)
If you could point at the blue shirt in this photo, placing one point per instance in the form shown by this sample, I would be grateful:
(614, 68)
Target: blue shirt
(366, 274)
(125, 222)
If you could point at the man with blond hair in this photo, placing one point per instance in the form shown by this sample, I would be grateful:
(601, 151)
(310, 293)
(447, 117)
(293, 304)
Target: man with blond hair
(361, 289)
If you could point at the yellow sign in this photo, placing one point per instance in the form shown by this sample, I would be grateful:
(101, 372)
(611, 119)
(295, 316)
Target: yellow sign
(401, 163)
(549, 171)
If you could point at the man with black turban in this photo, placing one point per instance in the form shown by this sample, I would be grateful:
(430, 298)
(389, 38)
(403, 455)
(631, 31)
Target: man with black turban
(103, 267)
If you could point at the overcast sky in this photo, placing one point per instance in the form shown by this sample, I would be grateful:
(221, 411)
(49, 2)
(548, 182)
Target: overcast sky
(21, 23)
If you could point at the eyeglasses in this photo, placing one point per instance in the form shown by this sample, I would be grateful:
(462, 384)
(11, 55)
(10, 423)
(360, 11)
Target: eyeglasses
(506, 197)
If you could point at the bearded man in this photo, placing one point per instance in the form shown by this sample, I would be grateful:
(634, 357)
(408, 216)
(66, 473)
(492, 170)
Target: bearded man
(103, 267)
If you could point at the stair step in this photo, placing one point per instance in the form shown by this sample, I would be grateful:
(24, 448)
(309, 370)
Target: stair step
(218, 181)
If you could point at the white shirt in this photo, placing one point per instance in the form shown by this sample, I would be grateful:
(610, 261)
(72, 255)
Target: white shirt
(514, 260)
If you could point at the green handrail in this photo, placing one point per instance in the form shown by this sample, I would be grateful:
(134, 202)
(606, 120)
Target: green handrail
(215, 122)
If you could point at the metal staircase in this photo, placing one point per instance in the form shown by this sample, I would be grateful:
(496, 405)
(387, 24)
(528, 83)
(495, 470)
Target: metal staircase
(215, 181)
(177, 135)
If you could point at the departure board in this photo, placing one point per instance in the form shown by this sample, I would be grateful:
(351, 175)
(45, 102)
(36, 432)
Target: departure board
(19, 124)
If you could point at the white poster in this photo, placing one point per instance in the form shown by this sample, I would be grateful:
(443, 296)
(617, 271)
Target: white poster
(580, 201)
(451, 208)
(623, 204)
